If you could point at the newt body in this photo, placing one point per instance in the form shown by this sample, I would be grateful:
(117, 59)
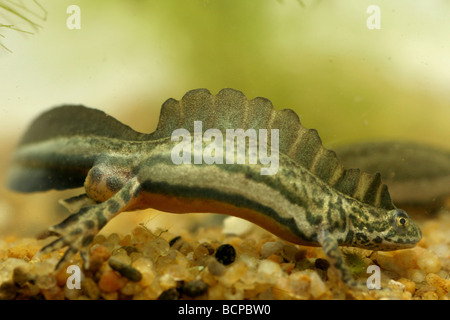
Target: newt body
(311, 200)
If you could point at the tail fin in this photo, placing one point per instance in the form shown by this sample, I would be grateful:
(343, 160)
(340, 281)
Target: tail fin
(70, 120)
(36, 167)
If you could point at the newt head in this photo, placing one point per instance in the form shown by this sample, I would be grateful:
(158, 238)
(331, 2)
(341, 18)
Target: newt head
(403, 232)
(392, 230)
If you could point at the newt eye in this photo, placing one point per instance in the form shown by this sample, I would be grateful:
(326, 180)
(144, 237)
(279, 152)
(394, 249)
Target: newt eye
(400, 219)
(402, 222)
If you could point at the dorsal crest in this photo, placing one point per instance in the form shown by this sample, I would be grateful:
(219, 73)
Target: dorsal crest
(230, 109)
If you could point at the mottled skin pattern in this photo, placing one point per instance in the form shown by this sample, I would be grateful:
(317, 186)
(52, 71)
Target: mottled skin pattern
(309, 201)
(309, 211)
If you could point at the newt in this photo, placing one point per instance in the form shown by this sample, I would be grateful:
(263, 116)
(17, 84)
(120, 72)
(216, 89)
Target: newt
(417, 174)
(311, 200)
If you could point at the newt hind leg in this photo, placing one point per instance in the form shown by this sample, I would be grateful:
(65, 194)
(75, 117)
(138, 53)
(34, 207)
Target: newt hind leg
(79, 229)
(107, 178)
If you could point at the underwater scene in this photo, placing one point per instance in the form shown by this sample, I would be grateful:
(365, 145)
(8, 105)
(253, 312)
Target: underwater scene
(224, 150)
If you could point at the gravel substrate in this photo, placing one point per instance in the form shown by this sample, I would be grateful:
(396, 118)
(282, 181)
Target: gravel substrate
(213, 264)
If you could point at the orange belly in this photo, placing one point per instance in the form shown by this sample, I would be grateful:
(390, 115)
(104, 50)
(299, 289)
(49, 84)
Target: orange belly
(173, 204)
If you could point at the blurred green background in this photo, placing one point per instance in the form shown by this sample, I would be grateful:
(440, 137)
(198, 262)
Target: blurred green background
(316, 57)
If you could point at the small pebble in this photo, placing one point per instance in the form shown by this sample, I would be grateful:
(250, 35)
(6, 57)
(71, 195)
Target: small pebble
(145, 267)
(99, 239)
(141, 235)
(53, 293)
(23, 251)
(30, 290)
(99, 254)
(21, 275)
(90, 288)
(122, 256)
(440, 284)
(131, 288)
(181, 245)
(305, 264)
(288, 252)
(234, 273)
(163, 262)
(322, 264)
(126, 241)
(110, 282)
(114, 295)
(430, 296)
(176, 272)
(442, 250)
(300, 255)
(42, 267)
(113, 238)
(201, 252)
(317, 286)
(410, 286)
(195, 288)
(155, 248)
(208, 246)
(174, 240)
(423, 289)
(416, 275)
(225, 254)
(125, 270)
(298, 285)
(269, 270)
(270, 248)
(275, 258)
(288, 267)
(46, 282)
(248, 247)
(170, 294)
(71, 294)
(166, 281)
(429, 262)
(130, 249)
(216, 268)
(396, 285)
(8, 290)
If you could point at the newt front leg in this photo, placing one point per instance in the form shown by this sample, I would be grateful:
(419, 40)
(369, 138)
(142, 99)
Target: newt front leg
(330, 247)
(79, 229)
